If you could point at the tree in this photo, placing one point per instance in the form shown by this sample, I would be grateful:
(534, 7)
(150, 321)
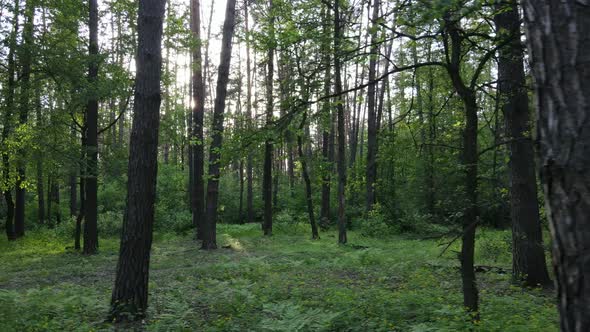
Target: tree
(25, 80)
(371, 170)
(268, 146)
(528, 253)
(91, 182)
(7, 128)
(558, 35)
(210, 232)
(130, 293)
(197, 143)
(340, 124)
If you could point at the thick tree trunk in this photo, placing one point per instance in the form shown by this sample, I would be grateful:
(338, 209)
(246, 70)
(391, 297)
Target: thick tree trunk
(341, 130)
(558, 33)
(268, 145)
(130, 293)
(198, 111)
(90, 213)
(210, 231)
(528, 254)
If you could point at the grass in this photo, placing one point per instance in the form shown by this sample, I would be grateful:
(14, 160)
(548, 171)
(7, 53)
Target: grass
(284, 283)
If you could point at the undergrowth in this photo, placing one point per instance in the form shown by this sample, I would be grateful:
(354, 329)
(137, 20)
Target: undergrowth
(284, 283)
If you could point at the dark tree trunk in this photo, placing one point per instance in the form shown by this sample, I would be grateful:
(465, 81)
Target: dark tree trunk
(249, 190)
(49, 201)
(82, 209)
(25, 82)
(558, 33)
(371, 171)
(210, 231)
(341, 131)
(39, 159)
(73, 184)
(306, 179)
(198, 94)
(469, 163)
(7, 128)
(528, 254)
(130, 293)
(327, 130)
(90, 213)
(268, 145)
(55, 198)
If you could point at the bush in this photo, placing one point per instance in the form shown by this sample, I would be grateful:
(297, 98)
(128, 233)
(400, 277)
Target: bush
(376, 224)
(109, 223)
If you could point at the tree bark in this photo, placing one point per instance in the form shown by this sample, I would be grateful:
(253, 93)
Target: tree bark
(198, 111)
(268, 144)
(371, 170)
(90, 214)
(341, 130)
(7, 128)
(528, 254)
(210, 236)
(469, 162)
(305, 173)
(129, 299)
(249, 179)
(558, 35)
(327, 129)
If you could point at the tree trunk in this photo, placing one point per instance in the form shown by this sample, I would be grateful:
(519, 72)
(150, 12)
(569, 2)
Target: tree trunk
(558, 33)
(198, 111)
(210, 236)
(371, 171)
(528, 254)
(305, 173)
(130, 293)
(73, 183)
(7, 128)
(249, 190)
(327, 132)
(469, 163)
(341, 131)
(25, 84)
(268, 145)
(90, 214)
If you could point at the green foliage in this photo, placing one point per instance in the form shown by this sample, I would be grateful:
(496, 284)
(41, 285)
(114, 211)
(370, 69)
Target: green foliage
(284, 283)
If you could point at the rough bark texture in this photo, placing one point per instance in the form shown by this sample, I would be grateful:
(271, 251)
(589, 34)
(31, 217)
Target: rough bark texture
(210, 232)
(268, 144)
(341, 131)
(91, 209)
(528, 254)
(198, 151)
(558, 33)
(130, 294)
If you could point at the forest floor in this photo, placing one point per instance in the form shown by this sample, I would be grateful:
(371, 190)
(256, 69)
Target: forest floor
(284, 283)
